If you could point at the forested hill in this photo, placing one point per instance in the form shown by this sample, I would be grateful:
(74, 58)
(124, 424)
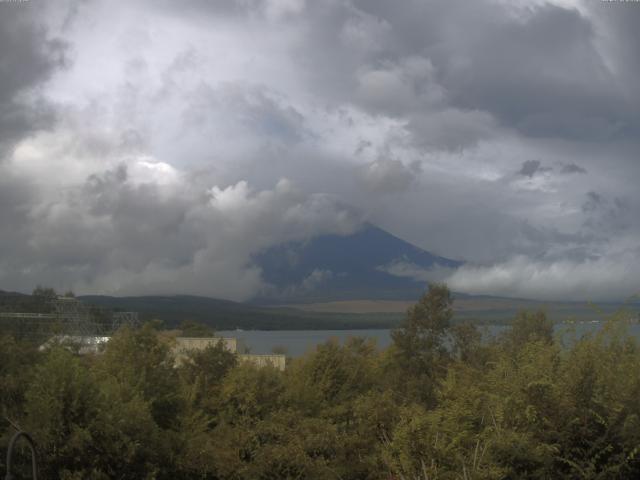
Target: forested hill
(228, 315)
(20, 302)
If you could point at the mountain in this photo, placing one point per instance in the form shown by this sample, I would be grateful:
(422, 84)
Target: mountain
(357, 266)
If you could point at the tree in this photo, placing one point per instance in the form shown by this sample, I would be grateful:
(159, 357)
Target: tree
(529, 327)
(249, 393)
(44, 292)
(202, 374)
(419, 348)
(191, 328)
(17, 362)
(467, 343)
(62, 403)
(140, 357)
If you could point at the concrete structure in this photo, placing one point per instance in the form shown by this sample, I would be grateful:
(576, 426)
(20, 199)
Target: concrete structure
(183, 345)
(275, 361)
(85, 345)
(186, 344)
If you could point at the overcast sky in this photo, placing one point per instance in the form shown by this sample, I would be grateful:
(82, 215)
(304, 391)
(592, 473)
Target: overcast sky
(154, 146)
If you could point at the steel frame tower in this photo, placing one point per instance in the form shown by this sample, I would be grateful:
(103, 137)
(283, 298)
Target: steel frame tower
(69, 316)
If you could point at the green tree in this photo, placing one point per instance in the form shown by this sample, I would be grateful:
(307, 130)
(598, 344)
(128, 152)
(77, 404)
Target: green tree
(419, 348)
(44, 292)
(17, 362)
(62, 404)
(529, 327)
(250, 393)
(191, 328)
(467, 343)
(202, 374)
(143, 359)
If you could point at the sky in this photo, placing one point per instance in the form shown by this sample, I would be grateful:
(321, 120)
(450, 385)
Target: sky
(153, 147)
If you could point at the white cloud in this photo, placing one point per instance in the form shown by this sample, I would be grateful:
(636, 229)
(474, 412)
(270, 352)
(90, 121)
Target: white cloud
(387, 176)
(403, 268)
(600, 279)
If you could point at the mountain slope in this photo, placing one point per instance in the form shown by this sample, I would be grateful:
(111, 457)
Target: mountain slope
(357, 266)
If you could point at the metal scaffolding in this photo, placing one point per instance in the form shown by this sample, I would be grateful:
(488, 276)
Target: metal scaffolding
(65, 316)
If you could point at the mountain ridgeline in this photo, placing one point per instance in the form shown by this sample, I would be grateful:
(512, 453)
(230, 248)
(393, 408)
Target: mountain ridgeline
(369, 264)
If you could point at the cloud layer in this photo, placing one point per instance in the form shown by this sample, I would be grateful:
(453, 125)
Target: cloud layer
(153, 147)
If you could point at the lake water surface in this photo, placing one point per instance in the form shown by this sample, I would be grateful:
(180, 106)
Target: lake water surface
(298, 342)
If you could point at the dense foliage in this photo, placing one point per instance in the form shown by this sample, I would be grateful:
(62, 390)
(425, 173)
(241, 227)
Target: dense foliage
(440, 403)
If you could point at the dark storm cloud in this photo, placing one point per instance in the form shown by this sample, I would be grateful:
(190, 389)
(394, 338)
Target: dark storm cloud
(539, 71)
(620, 45)
(16, 199)
(29, 57)
(606, 214)
(572, 168)
(452, 130)
(593, 202)
(532, 167)
(540, 74)
(208, 7)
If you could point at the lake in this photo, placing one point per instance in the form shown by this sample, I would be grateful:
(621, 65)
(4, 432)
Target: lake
(298, 342)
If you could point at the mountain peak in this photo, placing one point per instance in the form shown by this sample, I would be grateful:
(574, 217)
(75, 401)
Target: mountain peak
(370, 263)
